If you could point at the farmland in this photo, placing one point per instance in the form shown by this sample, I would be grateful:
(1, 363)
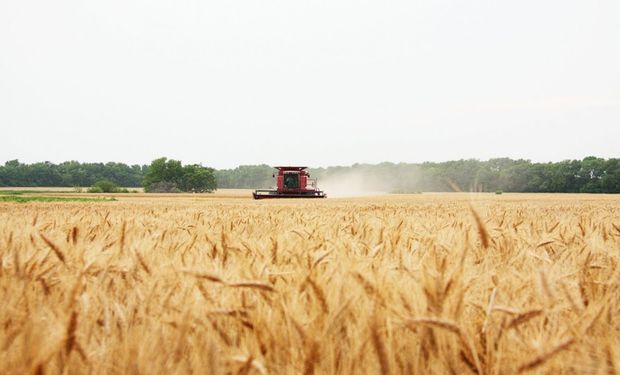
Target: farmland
(426, 283)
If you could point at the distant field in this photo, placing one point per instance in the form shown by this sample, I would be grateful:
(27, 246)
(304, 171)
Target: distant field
(220, 283)
(40, 195)
(37, 189)
(133, 190)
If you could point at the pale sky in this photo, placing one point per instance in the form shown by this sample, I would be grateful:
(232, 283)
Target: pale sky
(319, 83)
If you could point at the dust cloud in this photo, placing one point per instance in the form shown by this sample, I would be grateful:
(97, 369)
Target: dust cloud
(355, 184)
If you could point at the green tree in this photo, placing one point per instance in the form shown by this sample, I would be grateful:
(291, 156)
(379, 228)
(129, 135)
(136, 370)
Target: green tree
(198, 179)
(164, 175)
(245, 176)
(163, 170)
(610, 181)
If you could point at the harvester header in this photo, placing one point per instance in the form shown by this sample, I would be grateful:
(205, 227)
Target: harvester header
(291, 182)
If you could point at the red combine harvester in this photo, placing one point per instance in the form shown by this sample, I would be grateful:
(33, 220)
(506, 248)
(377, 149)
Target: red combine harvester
(291, 182)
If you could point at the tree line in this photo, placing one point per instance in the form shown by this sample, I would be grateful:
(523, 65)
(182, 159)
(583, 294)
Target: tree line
(589, 175)
(162, 175)
(70, 173)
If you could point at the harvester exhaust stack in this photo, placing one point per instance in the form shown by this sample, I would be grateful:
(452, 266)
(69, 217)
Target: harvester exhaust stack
(291, 182)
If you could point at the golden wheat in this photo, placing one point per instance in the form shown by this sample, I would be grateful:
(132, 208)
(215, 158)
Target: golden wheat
(431, 283)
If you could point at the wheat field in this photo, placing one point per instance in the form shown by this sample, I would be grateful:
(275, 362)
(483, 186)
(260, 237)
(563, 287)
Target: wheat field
(411, 284)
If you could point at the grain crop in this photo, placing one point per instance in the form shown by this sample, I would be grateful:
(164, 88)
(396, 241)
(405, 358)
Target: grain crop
(217, 284)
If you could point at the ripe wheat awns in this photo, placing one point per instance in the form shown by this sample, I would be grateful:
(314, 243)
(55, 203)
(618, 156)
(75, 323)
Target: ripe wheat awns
(410, 284)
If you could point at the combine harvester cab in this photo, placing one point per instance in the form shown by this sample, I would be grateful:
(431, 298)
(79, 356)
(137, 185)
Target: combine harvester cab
(291, 182)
